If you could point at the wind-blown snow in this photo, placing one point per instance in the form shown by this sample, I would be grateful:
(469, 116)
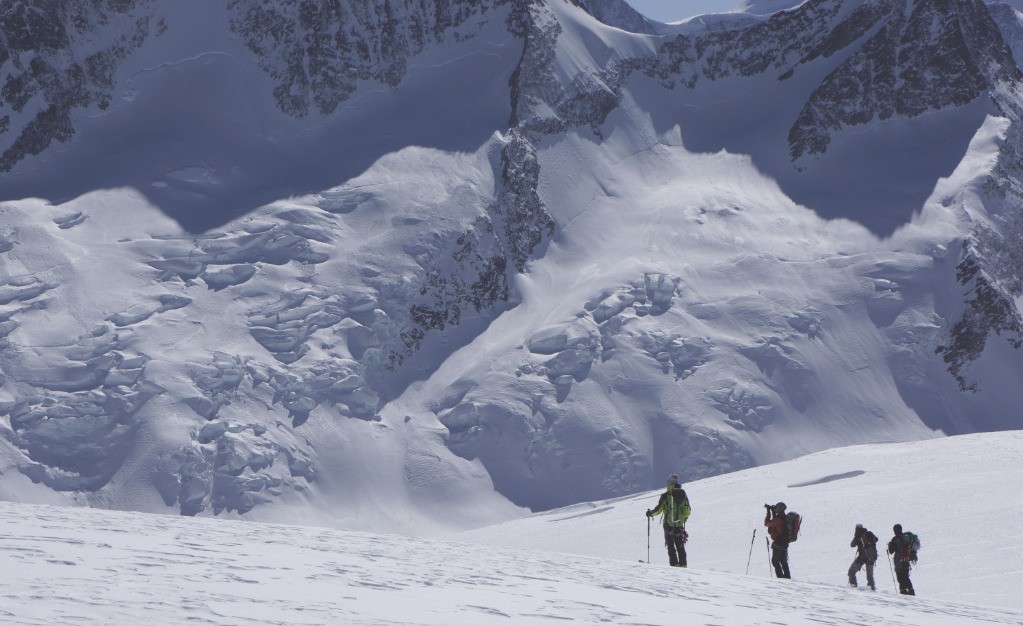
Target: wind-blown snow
(576, 565)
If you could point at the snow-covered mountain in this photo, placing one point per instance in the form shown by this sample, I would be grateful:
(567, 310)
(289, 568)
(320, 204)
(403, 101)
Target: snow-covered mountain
(419, 264)
(576, 565)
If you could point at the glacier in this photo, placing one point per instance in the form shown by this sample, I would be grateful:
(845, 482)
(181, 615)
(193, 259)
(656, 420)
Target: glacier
(431, 265)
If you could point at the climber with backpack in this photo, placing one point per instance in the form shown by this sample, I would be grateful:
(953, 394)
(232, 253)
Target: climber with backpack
(865, 543)
(784, 529)
(903, 548)
(673, 507)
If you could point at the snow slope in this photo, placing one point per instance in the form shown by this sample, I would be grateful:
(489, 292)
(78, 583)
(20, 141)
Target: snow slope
(958, 494)
(84, 566)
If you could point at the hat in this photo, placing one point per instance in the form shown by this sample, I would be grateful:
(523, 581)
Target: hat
(859, 526)
(780, 505)
(897, 529)
(673, 479)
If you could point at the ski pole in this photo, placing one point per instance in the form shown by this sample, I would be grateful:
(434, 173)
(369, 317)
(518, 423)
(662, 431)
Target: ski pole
(770, 570)
(750, 557)
(648, 540)
(891, 570)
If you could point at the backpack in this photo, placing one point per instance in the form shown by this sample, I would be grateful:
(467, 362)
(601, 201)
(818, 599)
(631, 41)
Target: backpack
(910, 544)
(677, 509)
(792, 522)
(869, 540)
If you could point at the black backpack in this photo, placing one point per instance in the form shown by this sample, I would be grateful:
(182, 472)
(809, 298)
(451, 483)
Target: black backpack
(869, 541)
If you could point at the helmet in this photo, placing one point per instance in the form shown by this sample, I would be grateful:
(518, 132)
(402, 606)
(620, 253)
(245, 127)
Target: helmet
(780, 505)
(673, 479)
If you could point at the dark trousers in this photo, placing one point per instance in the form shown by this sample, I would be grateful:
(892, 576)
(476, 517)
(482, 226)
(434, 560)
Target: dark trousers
(675, 539)
(902, 575)
(780, 559)
(856, 566)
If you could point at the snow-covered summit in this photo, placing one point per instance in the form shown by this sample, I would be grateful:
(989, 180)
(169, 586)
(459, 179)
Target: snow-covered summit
(618, 13)
(767, 7)
(458, 258)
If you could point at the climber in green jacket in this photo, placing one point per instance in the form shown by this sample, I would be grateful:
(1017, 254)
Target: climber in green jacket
(674, 510)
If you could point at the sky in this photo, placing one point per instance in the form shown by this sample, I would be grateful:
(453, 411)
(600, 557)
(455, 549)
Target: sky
(674, 10)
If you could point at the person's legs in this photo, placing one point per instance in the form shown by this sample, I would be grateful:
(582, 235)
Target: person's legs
(780, 560)
(870, 576)
(680, 546)
(902, 574)
(669, 541)
(855, 567)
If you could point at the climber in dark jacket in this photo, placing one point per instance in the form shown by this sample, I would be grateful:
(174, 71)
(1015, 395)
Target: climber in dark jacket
(865, 543)
(904, 552)
(674, 510)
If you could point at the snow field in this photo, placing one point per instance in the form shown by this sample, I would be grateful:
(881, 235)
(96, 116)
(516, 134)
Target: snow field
(958, 494)
(88, 566)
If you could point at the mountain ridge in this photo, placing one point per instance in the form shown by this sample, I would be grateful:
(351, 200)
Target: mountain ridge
(524, 256)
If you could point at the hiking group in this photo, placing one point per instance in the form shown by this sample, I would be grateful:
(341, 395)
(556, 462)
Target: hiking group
(902, 547)
(783, 528)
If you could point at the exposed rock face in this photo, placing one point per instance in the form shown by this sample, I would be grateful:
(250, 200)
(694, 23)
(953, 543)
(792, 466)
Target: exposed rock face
(991, 263)
(780, 43)
(910, 58)
(1010, 26)
(617, 13)
(907, 58)
(52, 62)
(541, 102)
(318, 52)
(922, 56)
(988, 310)
(59, 57)
(469, 272)
(523, 222)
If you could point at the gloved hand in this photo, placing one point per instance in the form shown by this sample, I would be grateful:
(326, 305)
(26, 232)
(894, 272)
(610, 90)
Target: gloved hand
(649, 513)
